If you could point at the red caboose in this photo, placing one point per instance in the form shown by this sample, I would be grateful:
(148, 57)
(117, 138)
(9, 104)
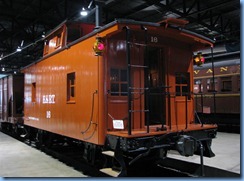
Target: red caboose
(132, 96)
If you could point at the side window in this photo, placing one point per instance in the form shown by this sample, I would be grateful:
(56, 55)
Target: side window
(46, 47)
(212, 86)
(238, 83)
(118, 82)
(73, 34)
(33, 92)
(58, 40)
(182, 83)
(226, 84)
(198, 87)
(71, 87)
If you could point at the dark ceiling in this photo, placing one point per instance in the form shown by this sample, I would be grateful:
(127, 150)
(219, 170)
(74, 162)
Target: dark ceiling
(22, 22)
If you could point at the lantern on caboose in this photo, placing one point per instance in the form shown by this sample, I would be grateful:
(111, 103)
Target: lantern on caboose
(199, 59)
(98, 46)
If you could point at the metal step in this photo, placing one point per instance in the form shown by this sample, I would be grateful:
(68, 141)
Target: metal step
(23, 135)
(110, 171)
(108, 153)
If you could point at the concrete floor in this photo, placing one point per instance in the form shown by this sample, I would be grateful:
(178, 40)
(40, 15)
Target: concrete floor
(226, 148)
(20, 160)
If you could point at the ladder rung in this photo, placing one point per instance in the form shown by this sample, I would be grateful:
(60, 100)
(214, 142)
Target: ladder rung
(138, 66)
(139, 44)
(138, 88)
(138, 110)
(141, 92)
(118, 92)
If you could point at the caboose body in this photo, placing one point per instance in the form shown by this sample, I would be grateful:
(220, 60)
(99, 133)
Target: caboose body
(133, 97)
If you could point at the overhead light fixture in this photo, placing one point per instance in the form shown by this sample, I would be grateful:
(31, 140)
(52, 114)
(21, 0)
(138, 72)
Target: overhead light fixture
(43, 35)
(18, 49)
(83, 12)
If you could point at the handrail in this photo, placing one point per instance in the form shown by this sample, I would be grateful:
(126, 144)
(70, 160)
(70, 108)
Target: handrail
(127, 31)
(206, 94)
(169, 110)
(186, 98)
(147, 82)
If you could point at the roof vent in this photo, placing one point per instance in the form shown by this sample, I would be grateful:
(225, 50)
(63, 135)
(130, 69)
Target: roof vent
(173, 22)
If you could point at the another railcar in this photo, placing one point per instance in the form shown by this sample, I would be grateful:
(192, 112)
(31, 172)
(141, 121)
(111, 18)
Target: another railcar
(124, 90)
(219, 100)
(11, 101)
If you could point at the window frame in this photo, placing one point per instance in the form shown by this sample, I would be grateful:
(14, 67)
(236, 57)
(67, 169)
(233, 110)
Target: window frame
(71, 91)
(118, 81)
(58, 40)
(199, 84)
(212, 86)
(226, 84)
(46, 47)
(181, 84)
(33, 92)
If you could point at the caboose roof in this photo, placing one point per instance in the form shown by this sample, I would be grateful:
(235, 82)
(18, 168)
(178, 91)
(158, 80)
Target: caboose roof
(133, 22)
(128, 22)
(193, 36)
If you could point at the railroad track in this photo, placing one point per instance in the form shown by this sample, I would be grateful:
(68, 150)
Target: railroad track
(169, 167)
(194, 169)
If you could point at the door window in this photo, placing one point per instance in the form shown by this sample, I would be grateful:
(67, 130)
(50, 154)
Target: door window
(118, 80)
(182, 83)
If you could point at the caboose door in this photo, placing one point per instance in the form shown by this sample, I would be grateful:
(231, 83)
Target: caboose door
(117, 86)
(156, 84)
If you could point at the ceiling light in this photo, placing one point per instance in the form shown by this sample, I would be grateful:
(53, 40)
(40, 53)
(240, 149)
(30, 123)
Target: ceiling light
(18, 49)
(83, 12)
(43, 35)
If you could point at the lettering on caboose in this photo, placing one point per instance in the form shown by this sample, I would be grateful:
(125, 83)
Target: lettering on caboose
(48, 99)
